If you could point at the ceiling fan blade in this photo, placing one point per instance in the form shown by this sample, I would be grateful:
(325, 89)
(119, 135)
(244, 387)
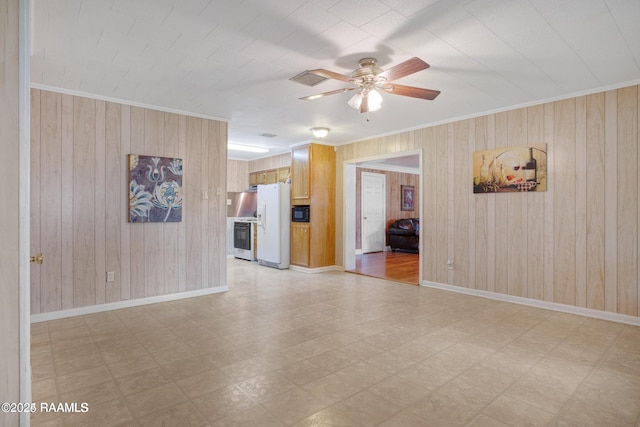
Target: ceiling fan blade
(333, 92)
(414, 92)
(331, 75)
(405, 68)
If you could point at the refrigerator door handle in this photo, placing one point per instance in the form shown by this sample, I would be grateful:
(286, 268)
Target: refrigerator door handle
(261, 215)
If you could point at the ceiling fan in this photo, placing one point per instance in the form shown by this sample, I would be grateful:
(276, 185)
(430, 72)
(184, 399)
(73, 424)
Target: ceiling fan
(369, 80)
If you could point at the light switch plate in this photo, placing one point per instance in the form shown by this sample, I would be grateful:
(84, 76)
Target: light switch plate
(111, 276)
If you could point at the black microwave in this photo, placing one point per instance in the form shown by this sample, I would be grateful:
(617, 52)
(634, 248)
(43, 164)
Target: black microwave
(300, 213)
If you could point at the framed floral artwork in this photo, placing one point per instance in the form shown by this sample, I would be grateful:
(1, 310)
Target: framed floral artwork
(155, 189)
(407, 194)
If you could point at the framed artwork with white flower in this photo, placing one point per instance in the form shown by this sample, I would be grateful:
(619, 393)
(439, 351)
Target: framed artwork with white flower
(155, 189)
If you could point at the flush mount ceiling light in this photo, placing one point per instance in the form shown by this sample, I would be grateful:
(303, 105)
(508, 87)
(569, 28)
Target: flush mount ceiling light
(368, 80)
(320, 132)
(247, 148)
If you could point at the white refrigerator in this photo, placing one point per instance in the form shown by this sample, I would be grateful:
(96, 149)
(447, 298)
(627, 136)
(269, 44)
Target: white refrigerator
(273, 225)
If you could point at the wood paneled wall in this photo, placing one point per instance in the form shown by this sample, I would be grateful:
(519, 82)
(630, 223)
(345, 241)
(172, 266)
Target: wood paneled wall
(237, 175)
(9, 210)
(575, 244)
(272, 162)
(393, 183)
(79, 199)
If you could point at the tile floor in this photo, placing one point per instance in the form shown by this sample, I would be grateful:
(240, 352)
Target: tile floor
(288, 348)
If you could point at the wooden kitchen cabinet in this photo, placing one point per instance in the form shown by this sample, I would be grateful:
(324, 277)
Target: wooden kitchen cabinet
(271, 176)
(300, 239)
(313, 182)
(300, 186)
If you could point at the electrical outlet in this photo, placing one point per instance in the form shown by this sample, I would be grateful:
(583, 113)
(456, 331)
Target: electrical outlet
(111, 276)
(450, 264)
(205, 195)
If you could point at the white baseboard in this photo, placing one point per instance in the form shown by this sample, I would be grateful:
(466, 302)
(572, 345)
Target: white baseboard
(314, 270)
(80, 311)
(564, 308)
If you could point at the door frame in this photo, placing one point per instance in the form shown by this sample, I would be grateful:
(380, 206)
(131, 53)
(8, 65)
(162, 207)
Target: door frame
(349, 206)
(384, 208)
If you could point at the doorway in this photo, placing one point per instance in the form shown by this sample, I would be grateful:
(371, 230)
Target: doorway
(399, 170)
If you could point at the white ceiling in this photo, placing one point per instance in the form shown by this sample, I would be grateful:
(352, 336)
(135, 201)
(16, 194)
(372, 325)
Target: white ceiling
(232, 59)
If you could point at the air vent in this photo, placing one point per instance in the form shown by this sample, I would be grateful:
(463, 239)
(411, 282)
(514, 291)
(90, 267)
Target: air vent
(268, 135)
(308, 79)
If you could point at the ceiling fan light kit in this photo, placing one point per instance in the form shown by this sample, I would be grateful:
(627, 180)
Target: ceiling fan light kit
(369, 79)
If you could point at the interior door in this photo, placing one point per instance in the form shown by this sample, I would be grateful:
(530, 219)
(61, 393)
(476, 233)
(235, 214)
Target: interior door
(373, 195)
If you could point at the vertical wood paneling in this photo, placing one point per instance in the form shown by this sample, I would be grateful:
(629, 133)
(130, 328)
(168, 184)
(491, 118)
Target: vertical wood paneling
(34, 200)
(99, 206)
(204, 204)
(171, 232)
(581, 201)
(125, 230)
(549, 206)
(137, 247)
(115, 183)
(535, 214)
(595, 204)
(84, 184)
(501, 240)
(577, 243)
(153, 232)
(627, 208)
(517, 243)
(440, 184)
(193, 210)
(67, 197)
(480, 207)
(182, 226)
(460, 174)
(82, 203)
(50, 205)
(611, 201)
(564, 272)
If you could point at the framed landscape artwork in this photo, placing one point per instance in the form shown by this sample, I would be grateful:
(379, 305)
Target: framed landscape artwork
(510, 169)
(155, 189)
(407, 193)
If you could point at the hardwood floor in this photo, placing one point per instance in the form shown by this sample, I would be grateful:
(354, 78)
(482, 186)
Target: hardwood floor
(397, 266)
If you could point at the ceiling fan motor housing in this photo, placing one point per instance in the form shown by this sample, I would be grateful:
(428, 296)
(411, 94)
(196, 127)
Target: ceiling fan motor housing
(367, 73)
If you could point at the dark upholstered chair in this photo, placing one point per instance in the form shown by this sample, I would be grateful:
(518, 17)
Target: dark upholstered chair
(404, 234)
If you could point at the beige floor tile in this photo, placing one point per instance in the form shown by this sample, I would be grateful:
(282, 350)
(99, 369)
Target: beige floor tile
(332, 388)
(143, 380)
(183, 415)
(93, 394)
(397, 391)
(107, 414)
(425, 376)
(266, 386)
(329, 417)
(223, 403)
(285, 347)
(203, 383)
(83, 379)
(186, 367)
(303, 372)
(253, 416)
(439, 410)
(293, 406)
(513, 411)
(468, 394)
(154, 399)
